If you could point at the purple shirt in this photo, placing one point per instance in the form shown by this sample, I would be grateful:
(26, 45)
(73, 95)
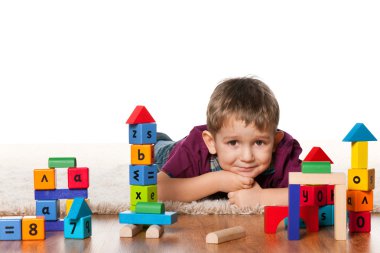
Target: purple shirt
(190, 158)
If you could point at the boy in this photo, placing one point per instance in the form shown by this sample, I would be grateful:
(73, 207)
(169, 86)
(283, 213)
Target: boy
(248, 157)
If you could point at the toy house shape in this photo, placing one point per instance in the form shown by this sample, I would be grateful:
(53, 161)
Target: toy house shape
(140, 115)
(77, 224)
(359, 133)
(316, 154)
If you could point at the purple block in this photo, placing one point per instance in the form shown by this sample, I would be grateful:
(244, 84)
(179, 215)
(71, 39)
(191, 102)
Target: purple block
(54, 225)
(60, 194)
(294, 212)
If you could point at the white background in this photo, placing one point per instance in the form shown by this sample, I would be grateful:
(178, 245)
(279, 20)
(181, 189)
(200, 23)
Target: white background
(73, 71)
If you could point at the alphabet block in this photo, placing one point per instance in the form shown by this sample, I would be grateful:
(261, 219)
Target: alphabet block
(143, 133)
(77, 229)
(143, 174)
(62, 162)
(128, 217)
(359, 222)
(326, 215)
(78, 178)
(143, 193)
(316, 167)
(359, 155)
(361, 179)
(330, 194)
(10, 228)
(142, 154)
(48, 208)
(359, 201)
(313, 195)
(33, 228)
(60, 194)
(44, 179)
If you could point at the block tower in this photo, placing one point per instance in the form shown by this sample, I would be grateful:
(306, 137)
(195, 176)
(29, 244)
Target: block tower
(144, 208)
(361, 180)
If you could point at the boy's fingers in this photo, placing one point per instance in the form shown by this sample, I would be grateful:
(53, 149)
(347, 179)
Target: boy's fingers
(230, 195)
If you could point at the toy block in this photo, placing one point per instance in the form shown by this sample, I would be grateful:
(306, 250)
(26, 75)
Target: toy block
(79, 209)
(44, 179)
(130, 230)
(77, 229)
(60, 194)
(361, 179)
(340, 217)
(326, 215)
(273, 215)
(143, 133)
(69, 202)
(48, 208)
(62, 162)
(313, 195)
(143, 174)
(140, 115)
(142, 154)
(316, 167)
(154, 232)
(78, 178)
(359, 155)
(359, 222)
(316, 154)
(57, 225)
(225, 235)
(330, 194)
(10, 228)
(315, 178)
(309, 218)
(128, 217)
(294, 212)
(150, 207)
(143, 193)
(359, 133)
(359, 201)
(33, 228)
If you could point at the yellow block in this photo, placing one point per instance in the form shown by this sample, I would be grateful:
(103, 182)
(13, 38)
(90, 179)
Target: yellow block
(44, 179)
(142, 154)
(33, 228)
(359, 155)
(361, 179)
(359, 201)
(69, 202)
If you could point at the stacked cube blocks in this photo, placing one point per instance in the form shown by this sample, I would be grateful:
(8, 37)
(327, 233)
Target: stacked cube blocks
(361, 180)
(144, 208)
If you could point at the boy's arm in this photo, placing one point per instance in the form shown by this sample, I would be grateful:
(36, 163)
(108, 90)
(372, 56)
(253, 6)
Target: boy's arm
(195, 188)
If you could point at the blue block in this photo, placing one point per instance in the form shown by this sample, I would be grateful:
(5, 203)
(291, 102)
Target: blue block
(48, 208)
(143, 174)
(294, 212)
(77, 229)
(10, 228)
(54, 225)
(78, 209)
(143, 133)
(128, 217)
(60, 194)
(326, 215)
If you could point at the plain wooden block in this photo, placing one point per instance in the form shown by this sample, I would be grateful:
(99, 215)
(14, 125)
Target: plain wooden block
(62, 162)
(337, 178)
(359, 155)
(128, 217)
(294, 212)
(340, 213)
(225, 235)
(60, 194)
(140, 115)
(316, 167)
(130, 230)
(154, 232)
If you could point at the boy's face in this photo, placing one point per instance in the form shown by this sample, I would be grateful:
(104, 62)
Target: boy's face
(242, 149)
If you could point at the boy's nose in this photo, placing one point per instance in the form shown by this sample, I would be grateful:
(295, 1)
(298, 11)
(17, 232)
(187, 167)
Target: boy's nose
(247, 155)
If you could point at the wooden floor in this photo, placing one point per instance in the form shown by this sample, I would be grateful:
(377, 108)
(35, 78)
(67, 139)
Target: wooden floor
(189, 233)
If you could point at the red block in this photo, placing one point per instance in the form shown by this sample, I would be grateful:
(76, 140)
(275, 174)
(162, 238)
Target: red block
(359, 222)
(330, 194)
(78, 178)
(140, 115)
(313, 195)
(317, 154)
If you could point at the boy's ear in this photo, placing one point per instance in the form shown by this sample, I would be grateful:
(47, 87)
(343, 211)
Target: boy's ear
(277, 139)
(209, 141)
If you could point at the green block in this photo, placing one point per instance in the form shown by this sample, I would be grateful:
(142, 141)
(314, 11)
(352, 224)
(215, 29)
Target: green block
(62, 162)
(316, 167)
(150, 207)
(146, 193)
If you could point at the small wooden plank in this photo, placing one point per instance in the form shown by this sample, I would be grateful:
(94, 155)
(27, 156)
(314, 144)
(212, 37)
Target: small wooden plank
(337, 178)
(225, 235)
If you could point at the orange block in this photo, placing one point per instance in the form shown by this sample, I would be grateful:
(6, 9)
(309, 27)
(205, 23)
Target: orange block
(142, 154)
(359, 201)
(33, 228)
(44, 179)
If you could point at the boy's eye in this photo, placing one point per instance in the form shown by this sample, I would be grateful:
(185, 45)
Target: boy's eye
(259, 143)
(232, 143)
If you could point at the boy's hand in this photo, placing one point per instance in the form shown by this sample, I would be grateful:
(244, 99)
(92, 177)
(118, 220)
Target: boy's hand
(229, 182)
(246, 197)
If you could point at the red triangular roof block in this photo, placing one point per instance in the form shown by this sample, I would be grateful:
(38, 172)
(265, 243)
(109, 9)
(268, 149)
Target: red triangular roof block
(316, 154)
(140, 115)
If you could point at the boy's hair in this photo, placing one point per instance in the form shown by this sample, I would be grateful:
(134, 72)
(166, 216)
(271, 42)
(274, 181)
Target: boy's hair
(247, 99)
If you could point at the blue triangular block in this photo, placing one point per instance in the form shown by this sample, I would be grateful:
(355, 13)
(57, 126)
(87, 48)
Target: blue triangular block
(359, 133)
(79, 209)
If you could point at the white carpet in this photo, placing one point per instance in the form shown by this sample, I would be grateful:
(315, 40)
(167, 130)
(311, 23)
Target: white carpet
(109, 183)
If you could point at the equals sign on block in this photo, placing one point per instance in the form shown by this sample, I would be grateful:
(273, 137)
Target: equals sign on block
(9, 227)
(151, 174)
